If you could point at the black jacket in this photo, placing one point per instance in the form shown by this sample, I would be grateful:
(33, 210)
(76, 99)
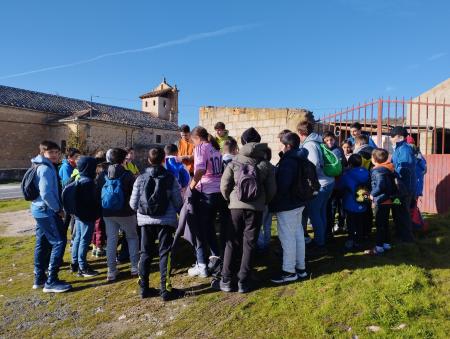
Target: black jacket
(88, 200)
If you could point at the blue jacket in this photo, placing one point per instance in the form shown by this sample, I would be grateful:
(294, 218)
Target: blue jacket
(46, 180)
(382, 183)
(404, 162)
(371, 142)
(65, 172)
(286, 174)
(178, 170)
(421, 169)
(350, 180)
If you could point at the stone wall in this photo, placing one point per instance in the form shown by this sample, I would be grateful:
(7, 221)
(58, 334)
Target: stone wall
(268, 121)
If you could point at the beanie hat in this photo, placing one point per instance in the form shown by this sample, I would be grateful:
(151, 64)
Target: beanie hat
(410, 140)
(250, 135)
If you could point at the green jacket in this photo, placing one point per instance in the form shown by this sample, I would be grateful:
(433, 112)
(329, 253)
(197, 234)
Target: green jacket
(221, 140)
(251, 153)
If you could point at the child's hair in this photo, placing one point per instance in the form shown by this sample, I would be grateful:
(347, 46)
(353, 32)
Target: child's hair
(230, 146)
(380, 155)
(171, 149)
(213, 142)
(200, 132)
(219, 125)
(355, 160)
(356, 125)
(156, 156)
(283, 132)
(348, 142)
(305, 127)
(291, 139)
(362, 139)
(100, 154)
(129, 149)
(118, 155)
(328, 134)
(71, 151)
(185, 129)
(48, 145)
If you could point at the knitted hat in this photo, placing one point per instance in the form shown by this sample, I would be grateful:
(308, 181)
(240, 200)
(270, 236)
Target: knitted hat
(250, 135)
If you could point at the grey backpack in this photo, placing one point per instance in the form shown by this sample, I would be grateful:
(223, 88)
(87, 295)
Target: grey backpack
(248, 187)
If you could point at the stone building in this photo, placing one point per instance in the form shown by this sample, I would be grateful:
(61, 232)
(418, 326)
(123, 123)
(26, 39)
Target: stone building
(28, 117)
(268, 121)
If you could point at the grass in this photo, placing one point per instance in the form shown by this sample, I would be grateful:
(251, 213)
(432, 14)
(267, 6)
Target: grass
(405, 293)
(13, 205)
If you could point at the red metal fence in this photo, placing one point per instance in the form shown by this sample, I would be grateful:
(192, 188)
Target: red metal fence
(426, 122)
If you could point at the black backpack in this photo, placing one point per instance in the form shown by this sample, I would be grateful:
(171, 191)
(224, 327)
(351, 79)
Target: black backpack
(29, 190)
(307, 184)
(155, 200)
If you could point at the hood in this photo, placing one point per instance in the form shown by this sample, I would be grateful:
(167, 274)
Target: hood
(313, 137)
(388, 165)
(299, 153)
(227, 157)
(255, 150)
(41, 160)
(154, 171)
(359, 174)
(364, 148)
(86, 167)
(173, 163)
(115, 171)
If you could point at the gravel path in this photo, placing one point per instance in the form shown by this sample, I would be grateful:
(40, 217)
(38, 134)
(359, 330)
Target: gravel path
(13, 224)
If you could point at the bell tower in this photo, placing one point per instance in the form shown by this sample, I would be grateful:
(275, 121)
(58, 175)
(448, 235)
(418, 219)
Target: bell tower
(162, 102)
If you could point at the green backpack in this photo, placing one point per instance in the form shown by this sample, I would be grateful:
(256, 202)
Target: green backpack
(332, 166)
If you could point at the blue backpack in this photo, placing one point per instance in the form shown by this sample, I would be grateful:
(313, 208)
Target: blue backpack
(113, 198)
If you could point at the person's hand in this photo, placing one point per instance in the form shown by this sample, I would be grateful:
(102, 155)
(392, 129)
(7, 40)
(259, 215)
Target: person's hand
(371, 197)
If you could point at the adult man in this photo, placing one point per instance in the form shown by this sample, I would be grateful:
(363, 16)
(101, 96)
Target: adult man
(186, 149)
(221, 134)
(356, 130)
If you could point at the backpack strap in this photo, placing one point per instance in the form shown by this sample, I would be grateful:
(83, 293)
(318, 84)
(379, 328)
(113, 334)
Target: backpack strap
(319, 149)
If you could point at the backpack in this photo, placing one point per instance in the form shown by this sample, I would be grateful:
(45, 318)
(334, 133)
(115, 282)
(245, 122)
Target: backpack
(306, 184)
(247, 184)
(29, 190)
(69, 196)
(112, 196)
(154, 201)
(332, 166)
(362, 193)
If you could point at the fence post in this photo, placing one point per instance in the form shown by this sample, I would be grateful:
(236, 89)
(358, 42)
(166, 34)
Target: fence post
(380, 123)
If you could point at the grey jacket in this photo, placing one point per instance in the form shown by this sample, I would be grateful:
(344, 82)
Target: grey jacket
(251, 153)
(175, 203)
(315, 156)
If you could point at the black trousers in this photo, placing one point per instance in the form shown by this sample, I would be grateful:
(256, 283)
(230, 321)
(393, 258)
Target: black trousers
(382, 223)
(402, 219)
(241, 243)
(355, 225)
(164, 234)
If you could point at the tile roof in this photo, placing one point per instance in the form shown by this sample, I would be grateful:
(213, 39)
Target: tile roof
(71, 108)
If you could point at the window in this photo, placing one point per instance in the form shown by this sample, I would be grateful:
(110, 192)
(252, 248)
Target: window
(63, 146)
(154, 102)
(164, 103)
(146, 104)
(158, 139)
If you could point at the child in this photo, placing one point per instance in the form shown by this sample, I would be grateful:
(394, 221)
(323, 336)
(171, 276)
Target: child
(68, 165)
(129, 164)
(352, 183)
(289, 208)
(175, 167)
(87, 211)
(157, 219)
(99, 236)
(186, 149)
(347, 147)
(363, 148)
(230, 150)
(221, 134)
(47, 210)
(382, 190)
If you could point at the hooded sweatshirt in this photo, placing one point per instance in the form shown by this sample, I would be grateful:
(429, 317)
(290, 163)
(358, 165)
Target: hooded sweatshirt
(46, 180)
(178, 170)
(116, 171)
(312, 145)
(382, 183)
(255, 154)
(65, 172)
(88, 200)
(221, 140)
(350, 180)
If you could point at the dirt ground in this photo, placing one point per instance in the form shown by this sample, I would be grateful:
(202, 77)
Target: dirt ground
(13, 224)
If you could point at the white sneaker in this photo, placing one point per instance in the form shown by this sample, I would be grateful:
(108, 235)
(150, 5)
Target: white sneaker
(199, 270)
(112, 275)
(134, 271)
(386, 247)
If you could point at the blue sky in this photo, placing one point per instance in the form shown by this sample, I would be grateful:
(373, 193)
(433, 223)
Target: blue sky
(320, 55)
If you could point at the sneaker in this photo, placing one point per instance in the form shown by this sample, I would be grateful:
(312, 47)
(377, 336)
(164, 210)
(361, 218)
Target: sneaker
(134, 271)
(147, 292)
(198, 270)
(377, 250)
(225, 286)
(58, 286)
(336, 228)
(386, 247)
(87, 272)
(172, 294)
(284, 277)
(39, 283)
(112, 275)
(215, 284)
(301, 274)
(243, 287)
(74, 268)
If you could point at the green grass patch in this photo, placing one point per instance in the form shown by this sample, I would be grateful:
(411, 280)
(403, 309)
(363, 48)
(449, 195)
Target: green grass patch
(13, 205)
(405, 293)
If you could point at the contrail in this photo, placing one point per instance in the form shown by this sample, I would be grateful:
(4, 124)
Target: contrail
(182, 41)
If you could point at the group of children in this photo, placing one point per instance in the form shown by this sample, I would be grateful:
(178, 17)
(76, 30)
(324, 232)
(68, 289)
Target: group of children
(215, 179)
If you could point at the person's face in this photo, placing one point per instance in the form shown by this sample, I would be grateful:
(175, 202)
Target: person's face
(329, 142)
(396, 139)
(196, 140)
(185, 136)
(355, 132)
(53, 155)
(220, 132)
(302, 137)
(73, 159)
(347, 149)
(130, 156)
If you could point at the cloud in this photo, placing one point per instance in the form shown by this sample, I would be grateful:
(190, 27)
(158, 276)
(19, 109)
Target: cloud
(182, 41)
(437, 56)
(389, 88)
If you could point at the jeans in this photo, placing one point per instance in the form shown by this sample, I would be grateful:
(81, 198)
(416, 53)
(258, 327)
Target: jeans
(164, 235)
(266, 230)
(112, 225)
(206, 207)
(51, 238)
(241, 243)
(81, 241)
(292, 239)
(317, 212)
